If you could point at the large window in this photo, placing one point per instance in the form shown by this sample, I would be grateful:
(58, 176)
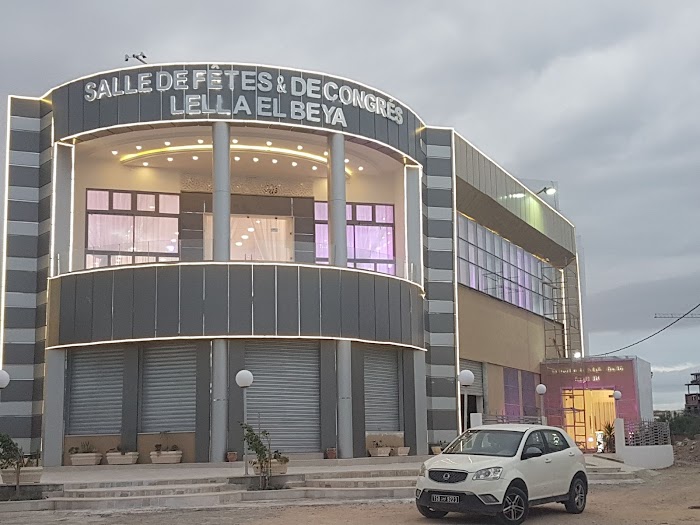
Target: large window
(491, 264)
(255, 238)
(125, 227)
(370, 232)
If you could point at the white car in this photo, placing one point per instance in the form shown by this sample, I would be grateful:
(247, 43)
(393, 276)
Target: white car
(503, 470)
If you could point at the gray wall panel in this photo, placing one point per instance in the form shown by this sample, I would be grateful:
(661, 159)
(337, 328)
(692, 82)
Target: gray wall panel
(358, 400)
(18, 354)
(287, 300)
(264, 311)
(130, 398)
(20, 317)
(202, 423)
(240, 299)
(192, 304)
(83, 307)
(366, 303)
(67, 312)
(381, 309)
(22, 211)
(330, 303)
(349, 304)
(168, 301)
(123, 309)
(309, 300)
(395, 333)
(329, 395)
(216, 299)
(22, 246)
(145, 303)
(406, 313)
(102, 306)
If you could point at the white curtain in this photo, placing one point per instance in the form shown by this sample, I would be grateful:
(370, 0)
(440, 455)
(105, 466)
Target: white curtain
(255, 238)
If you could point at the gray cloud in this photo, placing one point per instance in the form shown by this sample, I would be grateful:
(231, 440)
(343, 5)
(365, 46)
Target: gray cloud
(600, 96)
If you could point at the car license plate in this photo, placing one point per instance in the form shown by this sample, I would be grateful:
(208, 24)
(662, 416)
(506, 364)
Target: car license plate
(439, 498)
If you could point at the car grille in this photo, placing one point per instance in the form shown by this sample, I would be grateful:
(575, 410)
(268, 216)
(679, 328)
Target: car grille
(447, 476)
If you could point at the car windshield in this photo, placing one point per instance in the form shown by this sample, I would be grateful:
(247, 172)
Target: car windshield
(485, 442)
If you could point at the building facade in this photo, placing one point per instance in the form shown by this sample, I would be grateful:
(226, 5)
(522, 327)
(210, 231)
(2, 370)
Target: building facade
(167, 226)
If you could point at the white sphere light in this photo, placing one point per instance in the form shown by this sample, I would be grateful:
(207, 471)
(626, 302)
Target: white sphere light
(4, 379)
(244, 378)
(541, 389)
(466, 378)
(617, 395)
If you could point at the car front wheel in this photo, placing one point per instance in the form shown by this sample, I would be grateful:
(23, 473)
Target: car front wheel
(577, 497)
(430, 513)
(515, 507)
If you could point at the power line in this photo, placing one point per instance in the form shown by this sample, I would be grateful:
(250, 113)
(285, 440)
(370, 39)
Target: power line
(652, 335)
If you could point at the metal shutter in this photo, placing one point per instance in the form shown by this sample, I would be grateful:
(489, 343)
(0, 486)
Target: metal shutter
(477, 389)
(381, 390)
(168, 389)
(95, 391)
(285, 396)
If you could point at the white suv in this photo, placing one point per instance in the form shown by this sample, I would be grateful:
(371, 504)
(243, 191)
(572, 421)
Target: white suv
(503, 470)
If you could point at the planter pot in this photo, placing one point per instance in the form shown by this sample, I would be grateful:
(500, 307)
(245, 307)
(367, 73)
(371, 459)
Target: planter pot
(400, 451)
(276, 468)
(117, 458)
(169, 457)
(27, 475)
(231, 457)
(380, 452)
(436, 450)
(331, 453)
(87, 459)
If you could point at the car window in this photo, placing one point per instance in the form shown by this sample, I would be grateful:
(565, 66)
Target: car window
(486, 442)
(555, 441)
(535, 440)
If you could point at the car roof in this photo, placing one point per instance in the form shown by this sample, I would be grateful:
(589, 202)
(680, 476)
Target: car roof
(514, 427)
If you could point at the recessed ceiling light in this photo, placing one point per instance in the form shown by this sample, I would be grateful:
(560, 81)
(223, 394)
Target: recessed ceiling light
(269, 143)
(239, 243)
(200, 141)
(325, 153)
(251, 229)
(347, 160)
(300, 147)
(115, 152)
(255, 159)
(244, 237)
(256, 222)
(274, 161)
(170, 159)
(236, 159)
(235, 141)
(167, 143)
(360, 168)
(145, 163)
(294, 164)
(138, 147)
(314, 168)
(195, 157)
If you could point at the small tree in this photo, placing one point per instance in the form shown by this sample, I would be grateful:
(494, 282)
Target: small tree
(609, 437)
(11, 457)
(257, 444)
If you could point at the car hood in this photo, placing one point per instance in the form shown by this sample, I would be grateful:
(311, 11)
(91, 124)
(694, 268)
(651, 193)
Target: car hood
(466, 462)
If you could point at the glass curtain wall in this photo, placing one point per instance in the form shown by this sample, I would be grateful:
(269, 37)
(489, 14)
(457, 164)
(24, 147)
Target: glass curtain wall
(491, 264)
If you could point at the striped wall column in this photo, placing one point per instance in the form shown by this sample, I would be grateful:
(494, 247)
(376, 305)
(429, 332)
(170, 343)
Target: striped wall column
(27, 208)
(440, 277)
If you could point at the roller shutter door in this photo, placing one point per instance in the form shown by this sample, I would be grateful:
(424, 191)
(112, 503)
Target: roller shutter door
(285, 396)
(382, 390)
(168, 389)
(477, 389)
(95, 391)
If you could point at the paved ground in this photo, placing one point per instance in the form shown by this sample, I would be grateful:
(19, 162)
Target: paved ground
(664, 499)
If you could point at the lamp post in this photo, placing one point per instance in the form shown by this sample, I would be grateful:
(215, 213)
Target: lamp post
(541, 390)
(465, 378)
(244, 379)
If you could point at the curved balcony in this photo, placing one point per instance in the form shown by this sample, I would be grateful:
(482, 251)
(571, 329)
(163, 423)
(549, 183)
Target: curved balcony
(208, 300)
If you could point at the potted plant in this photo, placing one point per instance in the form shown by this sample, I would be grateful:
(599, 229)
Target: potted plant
(609, 438)
(400, 451)
(379, 450)
(231, 457)
(267, 463)
(166, 455)
(121, 456)
(84, 455)
(14, 467)
(331, 453)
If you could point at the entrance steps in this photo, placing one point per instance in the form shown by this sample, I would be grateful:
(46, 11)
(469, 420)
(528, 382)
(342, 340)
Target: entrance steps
(345, 484)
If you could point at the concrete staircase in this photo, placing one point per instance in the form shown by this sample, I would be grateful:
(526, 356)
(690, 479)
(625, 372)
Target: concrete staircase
(396, 482)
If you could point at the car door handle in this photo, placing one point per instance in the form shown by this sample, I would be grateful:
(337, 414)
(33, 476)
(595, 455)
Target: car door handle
(571, 454)
(547, 460)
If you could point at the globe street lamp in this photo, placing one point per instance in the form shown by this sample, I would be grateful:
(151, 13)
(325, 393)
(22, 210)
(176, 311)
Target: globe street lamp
(617, 395)
(244, 379)
(541, 390)
(466, 378)
(4, 379)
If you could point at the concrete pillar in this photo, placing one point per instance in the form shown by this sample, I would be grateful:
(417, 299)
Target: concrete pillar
(338, 256)
(53, 421)
(222, 252)
(414, 235)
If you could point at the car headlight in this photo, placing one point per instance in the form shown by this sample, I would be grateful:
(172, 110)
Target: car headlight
(423, 470)
(488, 474)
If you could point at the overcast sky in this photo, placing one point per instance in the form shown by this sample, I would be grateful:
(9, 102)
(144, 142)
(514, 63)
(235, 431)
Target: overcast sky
(603, 97)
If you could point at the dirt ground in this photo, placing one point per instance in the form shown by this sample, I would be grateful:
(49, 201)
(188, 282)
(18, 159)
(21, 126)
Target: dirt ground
(667, 498)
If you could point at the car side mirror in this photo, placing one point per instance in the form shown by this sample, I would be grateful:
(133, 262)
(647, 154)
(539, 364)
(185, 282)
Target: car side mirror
(532, 452)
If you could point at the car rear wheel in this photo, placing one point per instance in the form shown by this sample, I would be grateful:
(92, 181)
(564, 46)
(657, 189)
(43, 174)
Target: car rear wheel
(430, 513)
(515, 507)
(577, 497)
